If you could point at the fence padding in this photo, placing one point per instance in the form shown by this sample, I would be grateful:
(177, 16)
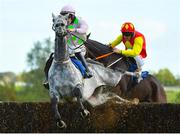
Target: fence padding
(109, 117)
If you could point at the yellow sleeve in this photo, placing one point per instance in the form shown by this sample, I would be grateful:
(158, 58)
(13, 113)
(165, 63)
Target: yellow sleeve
(116, 41)
(136, 50)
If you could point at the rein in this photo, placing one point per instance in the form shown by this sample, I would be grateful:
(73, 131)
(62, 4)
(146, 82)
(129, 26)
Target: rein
(104, 55)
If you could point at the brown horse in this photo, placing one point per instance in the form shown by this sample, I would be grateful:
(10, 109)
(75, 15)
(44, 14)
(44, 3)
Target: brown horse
(147, 90)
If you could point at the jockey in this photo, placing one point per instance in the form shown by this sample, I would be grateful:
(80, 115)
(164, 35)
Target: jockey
(135, 44)
(78, 27)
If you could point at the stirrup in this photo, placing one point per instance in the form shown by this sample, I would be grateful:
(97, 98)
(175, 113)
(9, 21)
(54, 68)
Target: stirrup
(137, 74)
(88, 75)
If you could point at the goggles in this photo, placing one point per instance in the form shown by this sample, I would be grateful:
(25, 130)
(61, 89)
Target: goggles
(127, 34)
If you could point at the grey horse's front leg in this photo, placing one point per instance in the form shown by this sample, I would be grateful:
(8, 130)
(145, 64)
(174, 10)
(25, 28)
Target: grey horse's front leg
(78, 94)
(59, 122)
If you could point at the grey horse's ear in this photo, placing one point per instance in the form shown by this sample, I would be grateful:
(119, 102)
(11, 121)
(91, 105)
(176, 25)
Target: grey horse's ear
(53, 16)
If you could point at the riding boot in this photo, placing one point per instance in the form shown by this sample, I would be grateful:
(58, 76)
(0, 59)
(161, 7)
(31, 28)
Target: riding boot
(46, 70)
(88, 73)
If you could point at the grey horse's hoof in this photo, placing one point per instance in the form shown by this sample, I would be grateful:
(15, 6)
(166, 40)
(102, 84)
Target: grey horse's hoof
(85, 113)
(61, 124)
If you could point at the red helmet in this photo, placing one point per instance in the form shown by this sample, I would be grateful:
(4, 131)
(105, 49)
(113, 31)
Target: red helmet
(127, 27)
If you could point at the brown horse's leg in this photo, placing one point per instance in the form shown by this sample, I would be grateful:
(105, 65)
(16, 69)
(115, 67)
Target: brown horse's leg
(123, 85)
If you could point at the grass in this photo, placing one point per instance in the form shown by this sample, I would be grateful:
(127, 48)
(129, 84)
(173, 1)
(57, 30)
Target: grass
(23, 94)
(173, 94)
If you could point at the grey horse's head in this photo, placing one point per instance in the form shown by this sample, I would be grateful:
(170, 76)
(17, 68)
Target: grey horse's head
(59, 24)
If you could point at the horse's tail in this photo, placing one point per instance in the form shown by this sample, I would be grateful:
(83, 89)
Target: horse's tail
(158, 93)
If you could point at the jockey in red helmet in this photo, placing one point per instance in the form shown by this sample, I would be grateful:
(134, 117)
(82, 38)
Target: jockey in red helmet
(135, 44)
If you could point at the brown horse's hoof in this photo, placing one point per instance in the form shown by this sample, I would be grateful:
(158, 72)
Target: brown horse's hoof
(85, 113)
(61, 124)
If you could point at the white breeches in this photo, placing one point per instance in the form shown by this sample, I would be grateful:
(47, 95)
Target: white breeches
(139, 61)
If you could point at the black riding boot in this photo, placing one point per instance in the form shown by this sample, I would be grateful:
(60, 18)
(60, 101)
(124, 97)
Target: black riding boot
(46, 70)
(88, 73)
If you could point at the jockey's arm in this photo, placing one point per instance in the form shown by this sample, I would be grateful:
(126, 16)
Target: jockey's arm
(116, 41)
(136, 50)
(83, 29)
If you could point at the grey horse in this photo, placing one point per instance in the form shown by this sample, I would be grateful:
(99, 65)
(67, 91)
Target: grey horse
(66, 81)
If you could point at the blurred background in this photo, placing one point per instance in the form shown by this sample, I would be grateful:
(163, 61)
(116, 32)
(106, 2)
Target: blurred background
(26, 40)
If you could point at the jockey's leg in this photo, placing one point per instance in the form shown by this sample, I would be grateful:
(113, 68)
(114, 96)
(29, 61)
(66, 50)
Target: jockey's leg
(46, 70)
(140, 63)
(82, 59)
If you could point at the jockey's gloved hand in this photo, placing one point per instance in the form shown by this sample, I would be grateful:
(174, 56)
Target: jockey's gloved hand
(116, 50)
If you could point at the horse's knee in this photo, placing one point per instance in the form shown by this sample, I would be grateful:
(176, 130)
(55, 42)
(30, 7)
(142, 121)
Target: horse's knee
(77, 91)
(54, 100)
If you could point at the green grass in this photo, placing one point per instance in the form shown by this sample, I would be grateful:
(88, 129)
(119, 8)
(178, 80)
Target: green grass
(173, 94)
(24, 94)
